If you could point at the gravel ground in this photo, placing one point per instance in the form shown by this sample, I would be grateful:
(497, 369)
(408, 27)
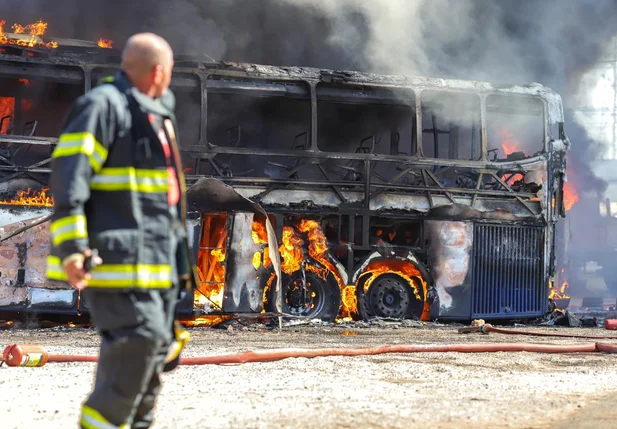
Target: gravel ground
(455, 390)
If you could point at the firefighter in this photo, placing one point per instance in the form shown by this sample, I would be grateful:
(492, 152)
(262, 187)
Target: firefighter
(118, 187)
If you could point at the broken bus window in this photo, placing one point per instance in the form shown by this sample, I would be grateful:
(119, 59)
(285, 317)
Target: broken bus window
(515, 127)
(451, 125)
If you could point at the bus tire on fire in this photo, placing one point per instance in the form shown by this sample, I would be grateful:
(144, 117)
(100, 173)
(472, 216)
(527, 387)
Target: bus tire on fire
(322, 300)
(389, 296)
(392, 288)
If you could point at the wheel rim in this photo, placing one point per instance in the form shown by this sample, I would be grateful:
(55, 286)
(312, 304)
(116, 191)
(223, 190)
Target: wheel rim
(300, 303)
(389, 297)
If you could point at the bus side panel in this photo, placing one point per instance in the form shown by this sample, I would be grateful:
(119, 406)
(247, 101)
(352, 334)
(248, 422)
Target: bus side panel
(23, 266)
(450, 245)
(244, 282)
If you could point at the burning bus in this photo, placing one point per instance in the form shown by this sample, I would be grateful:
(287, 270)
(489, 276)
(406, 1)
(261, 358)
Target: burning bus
(390, 196)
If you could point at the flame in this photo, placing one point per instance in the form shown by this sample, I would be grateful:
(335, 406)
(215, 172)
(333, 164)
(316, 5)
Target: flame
(205, 320)
(7, 107)
(31, 198)
(559, 293)
(257, 260)
(259, 233)
(570, 196)
(321, 272)
(399, 267)
(350, 301)
(509, 144)
(210, 267)
(513, 179)
(405, 270)
(318, 245)
(34, 31)
(318, 250)
(291, 251)
(24, 82)
(104, 43)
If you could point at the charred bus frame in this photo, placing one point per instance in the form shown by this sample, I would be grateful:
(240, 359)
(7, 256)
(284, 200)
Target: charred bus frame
(483, 227)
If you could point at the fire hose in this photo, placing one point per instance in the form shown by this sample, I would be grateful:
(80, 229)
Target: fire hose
(32, 356)
(486, 329)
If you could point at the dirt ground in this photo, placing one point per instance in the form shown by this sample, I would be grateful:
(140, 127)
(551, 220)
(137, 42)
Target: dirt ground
(455, 390)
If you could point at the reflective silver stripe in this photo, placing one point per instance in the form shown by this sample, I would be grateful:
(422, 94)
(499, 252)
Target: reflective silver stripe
(144, 276)
(66, 228)
(94, 423)
(125, 179)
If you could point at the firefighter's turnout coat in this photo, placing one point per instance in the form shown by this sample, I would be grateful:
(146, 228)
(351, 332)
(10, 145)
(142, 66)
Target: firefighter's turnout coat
(110, 182)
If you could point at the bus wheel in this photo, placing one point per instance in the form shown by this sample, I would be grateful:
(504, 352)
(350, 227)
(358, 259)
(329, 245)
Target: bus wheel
(322, 299)
(389, 296)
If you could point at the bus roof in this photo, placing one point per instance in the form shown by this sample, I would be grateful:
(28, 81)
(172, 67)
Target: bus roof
(94, 57)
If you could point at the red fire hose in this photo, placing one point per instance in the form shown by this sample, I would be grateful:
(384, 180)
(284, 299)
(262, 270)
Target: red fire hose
(27, 355)
(485, 329)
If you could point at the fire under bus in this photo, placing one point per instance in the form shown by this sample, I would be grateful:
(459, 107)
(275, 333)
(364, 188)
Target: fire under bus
(391, 196)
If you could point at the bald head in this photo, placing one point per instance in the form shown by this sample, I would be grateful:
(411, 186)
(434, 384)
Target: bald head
(147, 59)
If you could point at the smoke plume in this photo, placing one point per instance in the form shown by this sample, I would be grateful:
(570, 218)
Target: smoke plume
(499, 41)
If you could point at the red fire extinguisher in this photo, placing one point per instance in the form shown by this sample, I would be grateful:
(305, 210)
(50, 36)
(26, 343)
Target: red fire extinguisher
(25, 355)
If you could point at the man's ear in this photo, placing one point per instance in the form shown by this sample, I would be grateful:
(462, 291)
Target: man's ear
(157, 74)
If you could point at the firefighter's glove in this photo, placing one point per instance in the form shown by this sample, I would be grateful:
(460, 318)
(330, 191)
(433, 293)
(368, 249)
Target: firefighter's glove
(181, 340)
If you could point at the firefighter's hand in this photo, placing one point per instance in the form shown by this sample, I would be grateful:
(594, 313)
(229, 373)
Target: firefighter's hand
(75, 273)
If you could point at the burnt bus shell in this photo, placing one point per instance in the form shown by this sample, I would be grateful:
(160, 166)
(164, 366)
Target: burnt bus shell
(499, 265)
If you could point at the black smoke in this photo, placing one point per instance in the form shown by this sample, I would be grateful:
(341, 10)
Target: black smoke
(552, 42)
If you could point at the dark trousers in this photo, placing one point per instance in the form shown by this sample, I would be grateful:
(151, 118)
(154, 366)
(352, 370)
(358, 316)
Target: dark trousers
(136, 329)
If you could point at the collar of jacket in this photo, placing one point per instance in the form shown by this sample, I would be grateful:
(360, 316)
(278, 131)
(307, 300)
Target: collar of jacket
(163, 106)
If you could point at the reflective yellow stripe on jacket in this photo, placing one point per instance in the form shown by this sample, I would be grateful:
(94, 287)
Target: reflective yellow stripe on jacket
(84, 143)
(55, 271)
(92, 419)
(68, 228)
(125, 276)
(130, 179)
(118, 275)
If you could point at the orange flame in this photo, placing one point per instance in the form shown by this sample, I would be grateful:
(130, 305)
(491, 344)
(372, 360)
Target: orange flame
(559, 293)
(291, 251)
(33, 33)
(509, 144)
(404, 269)
(205, 320)
(210, 267)
(570, 196)
(7, 107)
(318, 248)
(104, 43)
(513, 179)
(259, 233)
(31, 198)
(396, 266)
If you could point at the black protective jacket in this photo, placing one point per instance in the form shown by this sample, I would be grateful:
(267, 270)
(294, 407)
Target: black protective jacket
(110, 186)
